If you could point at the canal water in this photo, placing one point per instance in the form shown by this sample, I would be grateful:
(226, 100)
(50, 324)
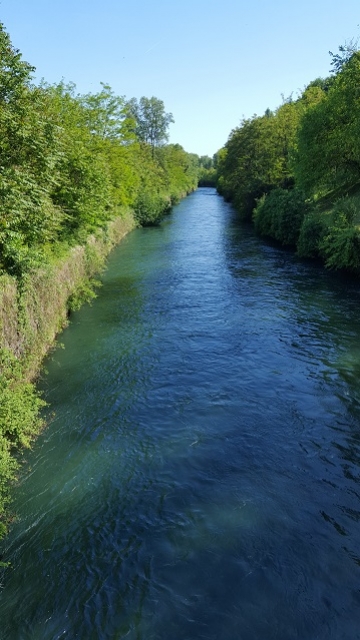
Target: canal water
(200, 476)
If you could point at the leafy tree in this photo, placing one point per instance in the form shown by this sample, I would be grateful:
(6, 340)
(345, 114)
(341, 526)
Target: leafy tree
(258, 157)
(107, 115)
(328, 142)
(206, 162)
(152, 122)
(28, 156)
(346, 51)
(15, 74)
(181, 170)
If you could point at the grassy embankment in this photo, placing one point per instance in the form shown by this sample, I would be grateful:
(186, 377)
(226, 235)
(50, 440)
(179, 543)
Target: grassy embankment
(32, 313)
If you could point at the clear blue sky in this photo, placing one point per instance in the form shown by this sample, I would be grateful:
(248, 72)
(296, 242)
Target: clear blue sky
(211, 62)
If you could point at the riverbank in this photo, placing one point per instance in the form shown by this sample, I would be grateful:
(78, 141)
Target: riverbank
(32, 313)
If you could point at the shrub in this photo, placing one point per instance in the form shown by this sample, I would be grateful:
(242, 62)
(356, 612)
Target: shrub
(150, 208)
(340, 245)
(311, 234)
(19, 420)
(280, 214)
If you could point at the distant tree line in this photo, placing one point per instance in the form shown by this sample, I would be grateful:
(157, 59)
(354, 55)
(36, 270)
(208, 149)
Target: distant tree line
(207, 171)
(295, 171)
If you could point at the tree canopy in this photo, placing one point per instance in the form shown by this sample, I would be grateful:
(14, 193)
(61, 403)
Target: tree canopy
(296, 171)
(151, 120)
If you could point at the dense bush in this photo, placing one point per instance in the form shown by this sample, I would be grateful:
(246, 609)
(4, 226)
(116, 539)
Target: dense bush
(340, 244)
(280, 215)
(150, 207)
(311, 233)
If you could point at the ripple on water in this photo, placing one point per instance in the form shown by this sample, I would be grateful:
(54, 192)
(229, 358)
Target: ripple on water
(200, 477)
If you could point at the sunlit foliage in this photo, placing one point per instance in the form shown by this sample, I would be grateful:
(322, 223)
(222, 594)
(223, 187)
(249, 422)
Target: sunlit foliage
(296, 170)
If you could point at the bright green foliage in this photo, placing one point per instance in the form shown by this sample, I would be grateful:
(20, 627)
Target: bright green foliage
(28, 156)
(258, 157)
(165, 177)
(280, 215)
(14, 72)
(19, 404)
(107, 115)
(68, 165)
(328, 147)
(151, 120)
(150, 207)
(312, 144)
(180, 170)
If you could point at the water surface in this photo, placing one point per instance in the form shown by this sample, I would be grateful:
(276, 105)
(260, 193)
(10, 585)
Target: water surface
(200, 478)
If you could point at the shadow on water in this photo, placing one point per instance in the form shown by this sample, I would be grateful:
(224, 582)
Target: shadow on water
(200, 478)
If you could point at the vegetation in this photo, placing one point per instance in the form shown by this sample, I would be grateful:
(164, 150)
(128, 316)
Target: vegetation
(76, 172)
(207, 171)
(296, 171)
(280, 215)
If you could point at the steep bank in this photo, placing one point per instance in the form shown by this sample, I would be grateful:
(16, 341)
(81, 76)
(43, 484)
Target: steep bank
(32, 313)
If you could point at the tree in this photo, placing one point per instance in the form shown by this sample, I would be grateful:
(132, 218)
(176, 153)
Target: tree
(29, 151)
(328, 155)
(107, 115)
(14, 72)
(346, 51)
(258, 157)
(152, 122)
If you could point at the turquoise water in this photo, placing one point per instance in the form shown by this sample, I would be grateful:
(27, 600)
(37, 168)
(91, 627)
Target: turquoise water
(200, 476)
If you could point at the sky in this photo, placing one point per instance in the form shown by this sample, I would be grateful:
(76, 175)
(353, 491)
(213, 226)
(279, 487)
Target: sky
(212, 62)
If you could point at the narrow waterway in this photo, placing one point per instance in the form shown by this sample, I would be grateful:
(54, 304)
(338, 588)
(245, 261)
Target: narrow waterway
(200, 478)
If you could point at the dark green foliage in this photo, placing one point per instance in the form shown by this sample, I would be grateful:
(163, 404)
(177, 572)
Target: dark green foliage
(311, 233)
(207, 172)
(346, 51)
(340, 244)
(207, 178)
(280, 215)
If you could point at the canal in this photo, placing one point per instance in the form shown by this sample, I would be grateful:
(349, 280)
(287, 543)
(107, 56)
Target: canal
(200, 474)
